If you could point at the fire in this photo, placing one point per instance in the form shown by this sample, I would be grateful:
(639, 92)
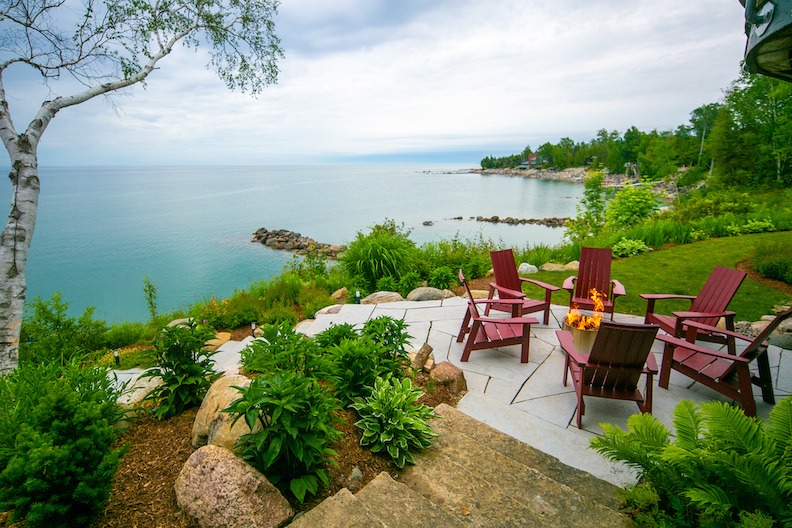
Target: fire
(575, 319)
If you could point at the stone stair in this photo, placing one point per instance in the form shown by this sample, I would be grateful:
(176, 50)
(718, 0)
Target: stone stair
(474, 475)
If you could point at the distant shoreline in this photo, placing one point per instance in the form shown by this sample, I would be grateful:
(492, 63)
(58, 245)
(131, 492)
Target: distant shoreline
(572, 175)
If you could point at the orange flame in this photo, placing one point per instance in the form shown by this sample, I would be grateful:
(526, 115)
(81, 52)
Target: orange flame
(575, 319)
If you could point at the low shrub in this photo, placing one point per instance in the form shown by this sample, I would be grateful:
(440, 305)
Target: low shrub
(136, 356)
(184, 366)
(720, 465)
(387, 283)
(774, 261)
(280, 348)
(442, 278)
(385, 251)
(126, 333)
(408, 282)
(278, 315)
(48, 333)
(292, 419)
(335, 334)
(56, 436)
(352, 366)
(393, 421)
(629, 248)
(392, 338)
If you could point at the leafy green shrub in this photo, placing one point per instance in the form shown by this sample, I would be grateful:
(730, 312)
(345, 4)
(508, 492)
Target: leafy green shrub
(280, 348)
(278, 315)
(629, 248)
(49, 333)
(126, 333)
(630, 206)
(291, 419)
(283, 290)
(312, 299)
(392, 338)
(385, 251)
(720, 464)
(472, 255)
(184, 366)
(240, 309)
(774, 261)
(352, 366)
(442, 278)
(408, 282)
(387, 283)
(393, 421)
(56, 435)
(335, 334)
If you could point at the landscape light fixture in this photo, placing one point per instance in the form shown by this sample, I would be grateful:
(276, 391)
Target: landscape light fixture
(768, 26)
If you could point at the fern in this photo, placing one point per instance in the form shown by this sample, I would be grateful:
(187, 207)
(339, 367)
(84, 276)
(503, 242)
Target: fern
(720, 465)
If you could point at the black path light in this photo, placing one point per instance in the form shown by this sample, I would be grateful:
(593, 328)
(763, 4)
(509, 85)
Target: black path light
(768, 26)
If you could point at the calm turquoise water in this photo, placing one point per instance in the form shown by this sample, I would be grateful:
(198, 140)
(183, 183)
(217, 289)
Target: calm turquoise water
(100, 231)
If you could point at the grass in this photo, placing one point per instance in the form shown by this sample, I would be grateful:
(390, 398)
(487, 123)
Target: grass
(683, 270)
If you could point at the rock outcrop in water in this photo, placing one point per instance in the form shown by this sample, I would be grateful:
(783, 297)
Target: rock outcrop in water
(291, 241)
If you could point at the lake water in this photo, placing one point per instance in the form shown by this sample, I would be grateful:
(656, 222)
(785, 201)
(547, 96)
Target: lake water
(100, 231)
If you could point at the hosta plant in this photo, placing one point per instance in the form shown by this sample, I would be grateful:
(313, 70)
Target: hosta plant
(291, 417)
(720, 465)
(393, 421)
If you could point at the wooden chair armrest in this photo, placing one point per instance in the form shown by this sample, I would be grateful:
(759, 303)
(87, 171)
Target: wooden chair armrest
(661, 296)
(499, 301)
(569, 283)
(618, 289)
(566, 341)
(651, 364)
(676, 342)
(541, 284)
(715, 329)
(507, 291)
(510, 320)
(702, 315)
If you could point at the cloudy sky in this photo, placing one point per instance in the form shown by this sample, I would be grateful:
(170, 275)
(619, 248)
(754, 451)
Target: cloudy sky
(415, 81)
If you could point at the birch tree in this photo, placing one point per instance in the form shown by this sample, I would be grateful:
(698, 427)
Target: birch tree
(106, 46)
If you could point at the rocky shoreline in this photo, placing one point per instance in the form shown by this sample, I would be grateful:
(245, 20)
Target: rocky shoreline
(290, 241)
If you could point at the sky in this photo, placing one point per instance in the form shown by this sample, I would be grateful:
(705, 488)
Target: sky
(414, 81)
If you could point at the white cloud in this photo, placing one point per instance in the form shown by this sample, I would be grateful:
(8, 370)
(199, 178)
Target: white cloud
(365, 77)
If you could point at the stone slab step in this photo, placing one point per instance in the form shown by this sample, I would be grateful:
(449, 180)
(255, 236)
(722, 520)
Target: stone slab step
(340, 510)
(382, 503)
(398, 506)
(584, 483)
(468, 478)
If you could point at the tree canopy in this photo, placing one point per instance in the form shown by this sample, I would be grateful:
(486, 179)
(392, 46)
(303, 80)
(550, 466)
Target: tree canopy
(743, 140)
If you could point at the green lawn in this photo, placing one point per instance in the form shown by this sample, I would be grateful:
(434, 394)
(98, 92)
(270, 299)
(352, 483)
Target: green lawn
(683, 270)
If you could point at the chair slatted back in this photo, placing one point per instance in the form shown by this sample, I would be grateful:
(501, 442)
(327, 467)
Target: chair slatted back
(505, 270)
(717, 292)
(474, 313)
(594, 272)
(619, 354)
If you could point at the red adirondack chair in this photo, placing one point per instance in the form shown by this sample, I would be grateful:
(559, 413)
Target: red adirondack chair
(619, 356)
(508, 284)
(487, 332)
(727, 373)
(594, 273)
(706, 307)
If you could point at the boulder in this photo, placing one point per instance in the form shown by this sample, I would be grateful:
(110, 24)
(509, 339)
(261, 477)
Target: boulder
(426, 293)
(572, 265)
(479, 294)
(550, 266)
(219, 490)
(332, 309)
(527, 269)
(450, 376)
(340, 295)
(211, 425)
(382, 297)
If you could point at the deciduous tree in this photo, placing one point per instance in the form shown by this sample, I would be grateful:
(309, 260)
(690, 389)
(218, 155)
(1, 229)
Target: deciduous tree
(106, 45)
